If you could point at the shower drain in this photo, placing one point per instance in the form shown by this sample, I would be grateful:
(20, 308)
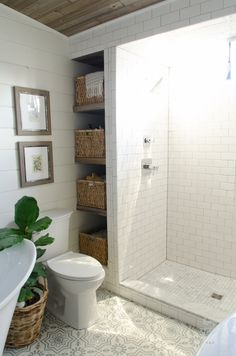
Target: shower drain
(216, 296)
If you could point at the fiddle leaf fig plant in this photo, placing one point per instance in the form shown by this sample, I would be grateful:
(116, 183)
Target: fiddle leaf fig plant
(9, 237)
(29, 226)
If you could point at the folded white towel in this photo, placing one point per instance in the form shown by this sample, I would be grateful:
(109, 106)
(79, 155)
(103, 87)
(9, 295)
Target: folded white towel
(94, 84)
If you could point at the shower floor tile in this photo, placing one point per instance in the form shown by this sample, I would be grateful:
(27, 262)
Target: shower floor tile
(188, 289)
(123, 329)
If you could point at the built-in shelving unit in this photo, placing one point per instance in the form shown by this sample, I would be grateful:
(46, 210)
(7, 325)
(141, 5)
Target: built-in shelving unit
(91, 116)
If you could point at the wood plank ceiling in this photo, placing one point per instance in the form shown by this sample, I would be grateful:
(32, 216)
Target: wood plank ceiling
(73, 16)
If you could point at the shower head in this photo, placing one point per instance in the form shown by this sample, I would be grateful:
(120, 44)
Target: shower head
(228, 77)
(230, 40)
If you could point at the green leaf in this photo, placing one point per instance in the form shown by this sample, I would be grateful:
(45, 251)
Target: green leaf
(5, 232)
(39, 269)
(29, 294)
(28, 235)
(32, 281)
(9, 237)
(26, 212)
(25, 294)
(40, 224)
(22, 295)
(40, 252)
(44, 240)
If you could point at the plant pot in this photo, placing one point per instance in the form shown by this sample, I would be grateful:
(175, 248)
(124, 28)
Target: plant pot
(26, 322)
(20, 304)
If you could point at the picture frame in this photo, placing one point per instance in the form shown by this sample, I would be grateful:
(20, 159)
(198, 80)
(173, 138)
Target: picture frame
(36, 163)
(32, 110)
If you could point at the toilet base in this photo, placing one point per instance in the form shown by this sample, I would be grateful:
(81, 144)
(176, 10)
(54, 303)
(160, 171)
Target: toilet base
(77, 310)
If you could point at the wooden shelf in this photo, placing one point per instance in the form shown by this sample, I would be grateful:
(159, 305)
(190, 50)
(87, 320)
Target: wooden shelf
(93, 59)
(92, 108)
(92, 210)
(100, 161)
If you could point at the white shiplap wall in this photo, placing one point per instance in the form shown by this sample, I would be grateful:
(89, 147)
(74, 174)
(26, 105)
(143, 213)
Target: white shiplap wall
(34, 56)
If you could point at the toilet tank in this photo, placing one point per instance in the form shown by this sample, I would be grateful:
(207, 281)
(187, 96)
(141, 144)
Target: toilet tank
(59, 229)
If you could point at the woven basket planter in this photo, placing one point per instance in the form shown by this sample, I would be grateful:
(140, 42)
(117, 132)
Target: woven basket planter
(26, 322)
(94, 246)
(80, 93)
(90, 143)
(91, 193)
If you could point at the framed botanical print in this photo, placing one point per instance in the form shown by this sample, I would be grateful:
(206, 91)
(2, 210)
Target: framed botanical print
(36, 163)
(32, 108)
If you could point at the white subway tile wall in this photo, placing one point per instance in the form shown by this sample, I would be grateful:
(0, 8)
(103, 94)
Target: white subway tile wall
(202, 163)
(142, 111)
(153, 20)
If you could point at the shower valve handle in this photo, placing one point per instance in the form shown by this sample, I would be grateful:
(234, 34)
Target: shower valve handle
(150, 167)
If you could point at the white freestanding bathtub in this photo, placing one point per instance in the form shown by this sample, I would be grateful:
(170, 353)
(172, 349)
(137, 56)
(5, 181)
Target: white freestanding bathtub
(222, 340)
(16, 264)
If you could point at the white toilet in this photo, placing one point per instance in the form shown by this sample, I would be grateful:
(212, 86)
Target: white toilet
(73, 278)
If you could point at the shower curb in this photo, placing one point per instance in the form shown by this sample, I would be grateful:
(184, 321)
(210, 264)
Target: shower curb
(167, 309)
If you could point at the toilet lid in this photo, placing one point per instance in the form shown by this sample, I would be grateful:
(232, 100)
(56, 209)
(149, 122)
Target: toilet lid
(76, 266)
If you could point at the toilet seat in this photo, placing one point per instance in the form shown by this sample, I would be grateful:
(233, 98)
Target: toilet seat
(76, 266)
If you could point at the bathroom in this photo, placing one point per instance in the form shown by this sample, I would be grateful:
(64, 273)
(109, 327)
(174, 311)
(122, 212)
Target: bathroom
(189, 218)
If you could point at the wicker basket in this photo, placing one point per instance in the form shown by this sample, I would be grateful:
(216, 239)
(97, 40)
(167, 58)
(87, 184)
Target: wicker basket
(94, 246)
(80, 93)
(26, 322)
(90, 143)
(91, 193)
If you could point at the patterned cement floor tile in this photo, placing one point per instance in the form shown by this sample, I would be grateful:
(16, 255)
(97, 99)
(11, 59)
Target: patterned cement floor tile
(123, 328)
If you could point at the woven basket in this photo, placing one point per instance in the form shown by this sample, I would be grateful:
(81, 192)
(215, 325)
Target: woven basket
(94, 246)
(90, 143)
(26, 322)
(80, 93)
(91, 193)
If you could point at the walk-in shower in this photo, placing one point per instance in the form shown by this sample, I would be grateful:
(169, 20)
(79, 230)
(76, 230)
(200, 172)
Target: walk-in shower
(176, 224)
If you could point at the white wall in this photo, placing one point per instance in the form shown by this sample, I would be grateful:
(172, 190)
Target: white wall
(142, 110)
(202, 151)
(34, 56)
(201, 183)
